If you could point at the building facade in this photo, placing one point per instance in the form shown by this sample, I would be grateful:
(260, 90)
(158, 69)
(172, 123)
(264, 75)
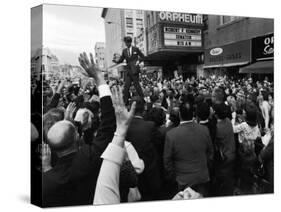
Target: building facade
(100, 55)
(45, 62)
(229, 43)
(174, 41)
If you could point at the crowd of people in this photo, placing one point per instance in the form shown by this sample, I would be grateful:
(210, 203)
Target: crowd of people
(183, 139)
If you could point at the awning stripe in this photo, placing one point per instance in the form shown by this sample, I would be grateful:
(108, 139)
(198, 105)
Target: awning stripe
(226, 65)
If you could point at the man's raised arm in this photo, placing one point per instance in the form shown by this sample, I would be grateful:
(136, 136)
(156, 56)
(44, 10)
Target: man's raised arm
(107, 126)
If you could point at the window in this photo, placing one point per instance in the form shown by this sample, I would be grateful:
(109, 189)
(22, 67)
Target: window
(130, 34)
(139, 12)
(139, 23)
(228, 19)
(129, 22)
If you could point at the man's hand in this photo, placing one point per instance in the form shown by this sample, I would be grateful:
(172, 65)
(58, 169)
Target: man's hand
(123, 116)
(90, 67)
(61, 86)
(94, 98)
(68, 115)
(116, 58)
(46, 157)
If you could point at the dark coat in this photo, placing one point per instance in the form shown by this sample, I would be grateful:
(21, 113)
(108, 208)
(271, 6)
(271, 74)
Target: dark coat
(144, 137)
(188, 148)
(131, 60)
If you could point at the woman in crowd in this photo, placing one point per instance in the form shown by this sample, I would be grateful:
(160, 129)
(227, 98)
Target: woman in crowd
(248, 133)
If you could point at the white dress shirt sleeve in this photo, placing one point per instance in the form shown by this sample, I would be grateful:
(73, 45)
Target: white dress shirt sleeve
(104, 90)
(133, 156)
(107, 188)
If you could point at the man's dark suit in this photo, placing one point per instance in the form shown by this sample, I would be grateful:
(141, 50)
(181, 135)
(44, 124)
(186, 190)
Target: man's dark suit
(143, 136)
(188, 148)
(132, 72)
(73, 179)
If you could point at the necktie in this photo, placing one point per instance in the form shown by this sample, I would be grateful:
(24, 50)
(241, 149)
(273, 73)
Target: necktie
(129, 54)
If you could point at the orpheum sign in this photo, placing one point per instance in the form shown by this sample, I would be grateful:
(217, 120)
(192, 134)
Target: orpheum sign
(186, 18)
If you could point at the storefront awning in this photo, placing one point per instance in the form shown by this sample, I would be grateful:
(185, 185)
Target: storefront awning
(226, 65)
(233, 54)
(262, 67)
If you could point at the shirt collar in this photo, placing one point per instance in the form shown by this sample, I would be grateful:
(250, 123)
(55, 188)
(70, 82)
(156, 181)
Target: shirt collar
(204, 121)
(184, 122)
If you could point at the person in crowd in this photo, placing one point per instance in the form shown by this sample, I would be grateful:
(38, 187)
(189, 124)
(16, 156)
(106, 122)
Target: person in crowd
(54, 100)
(248, 133)
(50, 118)
(265, 108)
(203, 118)
(225, 153)
(266, 157)
(133, 57)
(218, 97)
(107, 189)
(72, 180)
(188, 148)
(145, 138)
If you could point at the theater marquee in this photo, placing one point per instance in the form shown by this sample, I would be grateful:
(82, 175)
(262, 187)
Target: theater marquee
(181, 36)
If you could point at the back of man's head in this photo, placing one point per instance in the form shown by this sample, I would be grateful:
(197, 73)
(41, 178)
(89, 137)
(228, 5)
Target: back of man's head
(186, 111)
(203, 111)
(62, 136)
(139, 105)
(218, 96)
(49, 119)
(221, 110)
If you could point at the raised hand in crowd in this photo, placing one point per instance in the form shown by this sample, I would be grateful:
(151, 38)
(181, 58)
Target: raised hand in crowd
(61, 86)
(90, 67)
(188, 193)
(68, 115)
(123, 116)
(46, 157)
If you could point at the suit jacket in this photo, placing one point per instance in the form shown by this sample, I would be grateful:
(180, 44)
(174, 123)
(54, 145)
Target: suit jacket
(73, 179)
(187, 150)
(132, 59)
(144, 137)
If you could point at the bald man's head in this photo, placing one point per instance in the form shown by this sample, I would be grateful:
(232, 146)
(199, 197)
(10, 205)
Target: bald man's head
(62, 136)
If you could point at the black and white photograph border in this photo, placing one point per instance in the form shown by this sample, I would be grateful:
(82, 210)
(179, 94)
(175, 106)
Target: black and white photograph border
(16, 193)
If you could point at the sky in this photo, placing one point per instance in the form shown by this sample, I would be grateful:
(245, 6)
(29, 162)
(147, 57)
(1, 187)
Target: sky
(70, 30)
